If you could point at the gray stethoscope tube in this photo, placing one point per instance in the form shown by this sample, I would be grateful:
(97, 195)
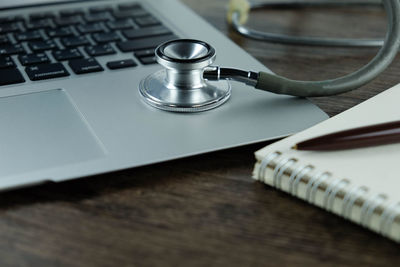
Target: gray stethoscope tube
(235, 19)
(189, 84)
(280, 85)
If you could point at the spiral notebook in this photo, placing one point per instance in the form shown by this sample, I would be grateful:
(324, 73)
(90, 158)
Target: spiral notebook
(361, 185)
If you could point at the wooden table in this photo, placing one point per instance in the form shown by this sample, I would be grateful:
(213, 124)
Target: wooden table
(206, 210)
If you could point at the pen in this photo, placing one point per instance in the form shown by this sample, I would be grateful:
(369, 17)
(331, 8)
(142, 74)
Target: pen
(372, 135)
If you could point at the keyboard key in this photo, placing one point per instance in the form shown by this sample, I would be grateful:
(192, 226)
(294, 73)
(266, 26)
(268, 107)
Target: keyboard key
(60, 32)
(99, 9)
(43, 15)
(38, 46)
(28, 36)
(106, 37)
(139, 12)
(46, 71)
(67, 54)
(11, 19)
(71, 12)
(10, 27)
(145, 43)
(66, 21)
(9, 49)
(90, 28)
(145, 53)
(146, 32)
(39, 24)
(148, 60)
(4, 39)
(120, 64)
(75, 41)
(10, 76)
(147, 21)
(81, 66)
(33, 59)
(99, 50)
(97, 17)
(118, 15)
(120, 24)
(129, 6)
(6, 62)
(134, 13)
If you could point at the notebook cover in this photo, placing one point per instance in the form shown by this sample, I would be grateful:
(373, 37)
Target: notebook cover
(361, 185)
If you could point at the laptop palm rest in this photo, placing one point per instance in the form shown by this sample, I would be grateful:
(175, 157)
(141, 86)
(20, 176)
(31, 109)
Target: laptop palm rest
(43, 130)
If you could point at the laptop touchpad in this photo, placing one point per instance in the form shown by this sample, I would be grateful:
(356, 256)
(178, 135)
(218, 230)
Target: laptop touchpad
(43, 130)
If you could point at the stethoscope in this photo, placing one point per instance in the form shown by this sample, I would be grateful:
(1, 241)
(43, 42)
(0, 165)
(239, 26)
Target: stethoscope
(188, 82)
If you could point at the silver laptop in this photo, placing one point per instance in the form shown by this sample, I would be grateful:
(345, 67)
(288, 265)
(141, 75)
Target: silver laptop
(69, 100)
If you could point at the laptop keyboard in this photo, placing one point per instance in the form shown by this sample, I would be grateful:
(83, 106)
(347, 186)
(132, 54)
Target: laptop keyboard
(43, 44)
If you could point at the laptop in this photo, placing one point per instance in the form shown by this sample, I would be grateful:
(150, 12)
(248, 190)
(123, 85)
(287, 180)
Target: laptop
(69, 100)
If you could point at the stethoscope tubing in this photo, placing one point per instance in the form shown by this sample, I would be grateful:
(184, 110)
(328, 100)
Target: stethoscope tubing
(281, 85)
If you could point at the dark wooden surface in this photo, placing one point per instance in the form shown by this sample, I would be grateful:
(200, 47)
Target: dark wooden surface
(206, 210)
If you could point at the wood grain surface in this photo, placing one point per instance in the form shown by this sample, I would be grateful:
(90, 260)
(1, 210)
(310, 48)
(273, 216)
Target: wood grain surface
(206, 210)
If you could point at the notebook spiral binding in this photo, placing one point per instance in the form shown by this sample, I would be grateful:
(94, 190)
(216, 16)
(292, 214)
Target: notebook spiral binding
(336, 185)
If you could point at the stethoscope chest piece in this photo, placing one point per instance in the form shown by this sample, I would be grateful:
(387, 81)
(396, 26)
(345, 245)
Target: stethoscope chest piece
(180, 87)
